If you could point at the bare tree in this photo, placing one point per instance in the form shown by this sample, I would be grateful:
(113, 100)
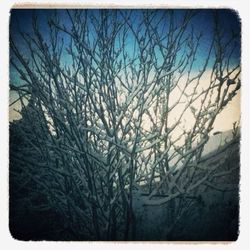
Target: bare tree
(109, 93)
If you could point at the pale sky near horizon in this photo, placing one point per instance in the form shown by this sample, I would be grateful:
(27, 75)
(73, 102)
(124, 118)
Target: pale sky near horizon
(224, 121)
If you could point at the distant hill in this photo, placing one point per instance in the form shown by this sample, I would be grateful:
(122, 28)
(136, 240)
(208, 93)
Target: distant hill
(217, 140)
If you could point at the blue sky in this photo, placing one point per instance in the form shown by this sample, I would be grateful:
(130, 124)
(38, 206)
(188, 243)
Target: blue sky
(21, 20)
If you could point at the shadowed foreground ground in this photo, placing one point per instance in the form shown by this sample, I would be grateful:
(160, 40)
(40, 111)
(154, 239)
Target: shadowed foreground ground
(214, 217)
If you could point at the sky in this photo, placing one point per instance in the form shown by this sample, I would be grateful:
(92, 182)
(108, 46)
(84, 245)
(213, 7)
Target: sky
(202, 22)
